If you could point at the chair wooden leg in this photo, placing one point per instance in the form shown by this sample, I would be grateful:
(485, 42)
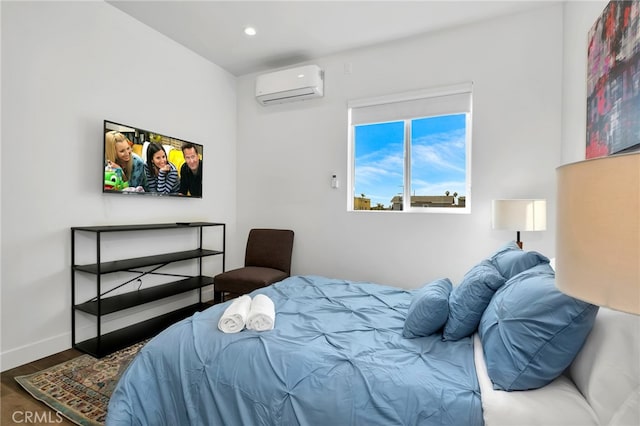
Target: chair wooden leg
(229, 296)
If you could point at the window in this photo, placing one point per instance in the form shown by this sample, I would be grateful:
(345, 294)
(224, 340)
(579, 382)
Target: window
(411, 152)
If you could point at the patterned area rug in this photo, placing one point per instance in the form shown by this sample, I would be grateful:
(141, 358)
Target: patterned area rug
(80, 389)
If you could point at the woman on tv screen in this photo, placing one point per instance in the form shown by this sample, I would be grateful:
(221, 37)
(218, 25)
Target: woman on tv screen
(123, 163)
(162, 175)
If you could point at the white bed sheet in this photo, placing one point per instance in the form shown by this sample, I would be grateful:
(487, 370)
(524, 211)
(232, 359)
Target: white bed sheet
(559, 403)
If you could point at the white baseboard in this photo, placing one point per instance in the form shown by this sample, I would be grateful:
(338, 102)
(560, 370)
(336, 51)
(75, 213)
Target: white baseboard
(34, 351)
(49, 346)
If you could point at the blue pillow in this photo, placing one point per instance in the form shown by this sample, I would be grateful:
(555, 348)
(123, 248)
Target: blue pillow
(470, 298)
(510, 260)
(531, 331)
(428, 310)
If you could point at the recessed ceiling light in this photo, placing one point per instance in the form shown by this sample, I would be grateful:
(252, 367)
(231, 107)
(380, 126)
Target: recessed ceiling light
(250, 31)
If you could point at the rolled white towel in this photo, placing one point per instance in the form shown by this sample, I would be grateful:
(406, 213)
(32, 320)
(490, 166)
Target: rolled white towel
(235, 316)
(262, 315)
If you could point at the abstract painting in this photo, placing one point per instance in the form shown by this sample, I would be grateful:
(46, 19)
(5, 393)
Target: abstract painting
(613, 81)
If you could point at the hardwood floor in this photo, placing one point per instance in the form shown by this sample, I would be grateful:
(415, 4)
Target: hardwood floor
(17, 406)
(16, 403)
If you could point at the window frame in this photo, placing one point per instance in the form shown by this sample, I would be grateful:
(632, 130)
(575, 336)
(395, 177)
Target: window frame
(465, 89)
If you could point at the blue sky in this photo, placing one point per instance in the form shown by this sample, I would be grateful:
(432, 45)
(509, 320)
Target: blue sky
(438, 158)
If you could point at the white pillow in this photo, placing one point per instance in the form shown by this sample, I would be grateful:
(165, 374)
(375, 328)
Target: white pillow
(558, 403)
(607, 369)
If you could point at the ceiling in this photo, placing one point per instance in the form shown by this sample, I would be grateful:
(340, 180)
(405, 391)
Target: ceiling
(291, 32)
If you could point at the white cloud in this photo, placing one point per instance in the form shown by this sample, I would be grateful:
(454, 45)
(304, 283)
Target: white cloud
(443, 151)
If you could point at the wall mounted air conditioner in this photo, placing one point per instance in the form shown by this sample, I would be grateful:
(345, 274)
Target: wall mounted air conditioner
(294, 84)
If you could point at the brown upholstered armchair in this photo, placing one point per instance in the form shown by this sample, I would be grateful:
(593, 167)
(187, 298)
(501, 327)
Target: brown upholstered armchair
(267, 260)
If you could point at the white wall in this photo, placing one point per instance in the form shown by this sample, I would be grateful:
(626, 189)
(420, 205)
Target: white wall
(287, 153)
(67, 66)
(1, 126)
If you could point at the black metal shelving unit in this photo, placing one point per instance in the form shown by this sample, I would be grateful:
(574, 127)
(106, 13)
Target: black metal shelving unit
(99, 306)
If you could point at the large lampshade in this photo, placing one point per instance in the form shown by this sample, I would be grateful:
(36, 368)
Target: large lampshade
(519, 215)
(598, 231)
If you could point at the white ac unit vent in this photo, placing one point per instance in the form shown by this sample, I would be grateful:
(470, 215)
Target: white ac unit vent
(294, 84)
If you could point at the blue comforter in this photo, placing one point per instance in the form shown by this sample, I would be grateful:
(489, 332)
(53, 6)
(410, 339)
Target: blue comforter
(335, 357)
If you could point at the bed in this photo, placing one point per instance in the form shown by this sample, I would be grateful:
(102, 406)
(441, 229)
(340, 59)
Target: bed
(352, 353)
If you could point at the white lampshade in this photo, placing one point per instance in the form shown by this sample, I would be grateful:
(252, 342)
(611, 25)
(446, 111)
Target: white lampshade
(598, 231)
(520, 215)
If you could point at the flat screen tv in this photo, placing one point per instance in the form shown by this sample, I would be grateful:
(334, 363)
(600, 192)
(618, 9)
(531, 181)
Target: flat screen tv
(144, 163)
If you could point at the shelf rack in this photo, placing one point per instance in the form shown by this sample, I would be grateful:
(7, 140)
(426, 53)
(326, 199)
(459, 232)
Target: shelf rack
(99, 306)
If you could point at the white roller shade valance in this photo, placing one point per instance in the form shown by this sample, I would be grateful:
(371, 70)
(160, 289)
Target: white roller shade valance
(424, 103)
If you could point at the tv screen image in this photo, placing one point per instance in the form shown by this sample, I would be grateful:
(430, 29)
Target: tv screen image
(142, 162)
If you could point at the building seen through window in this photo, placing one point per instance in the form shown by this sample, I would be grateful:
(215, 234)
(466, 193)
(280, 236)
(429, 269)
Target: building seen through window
(412, 152)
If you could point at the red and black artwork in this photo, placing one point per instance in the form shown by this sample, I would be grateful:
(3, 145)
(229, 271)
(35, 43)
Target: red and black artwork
(613, 81)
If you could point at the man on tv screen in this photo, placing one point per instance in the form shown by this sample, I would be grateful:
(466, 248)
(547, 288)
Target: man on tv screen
(191, 172)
